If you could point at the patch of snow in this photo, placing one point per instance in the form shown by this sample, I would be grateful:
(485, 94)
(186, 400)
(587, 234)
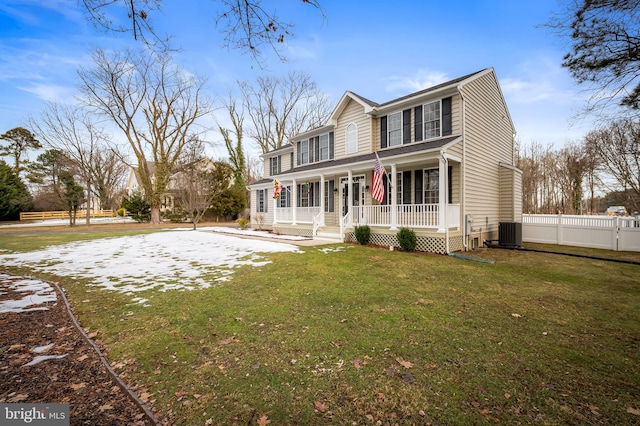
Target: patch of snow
(328, 250)
(40, 358)
(252, 233)
(36, 293)
(179, 260)
(41, 349)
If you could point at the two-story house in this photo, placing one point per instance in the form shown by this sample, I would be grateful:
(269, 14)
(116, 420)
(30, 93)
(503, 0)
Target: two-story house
(448, 155)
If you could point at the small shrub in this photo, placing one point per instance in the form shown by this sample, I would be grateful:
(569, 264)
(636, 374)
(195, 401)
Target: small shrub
(407, 239)
(242, 223)
(121, 212)
(175, 216)
(363, 234)
(138, 207)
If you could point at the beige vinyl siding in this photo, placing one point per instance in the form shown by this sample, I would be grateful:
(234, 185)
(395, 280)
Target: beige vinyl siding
(353, 113)
(456, 116)
(510, 194)
(489, 141)
(286, 162)
(267, 218)
(455, 182)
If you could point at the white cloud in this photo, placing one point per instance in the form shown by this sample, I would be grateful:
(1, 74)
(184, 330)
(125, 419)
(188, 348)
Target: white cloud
(422, 79)
(50, 92)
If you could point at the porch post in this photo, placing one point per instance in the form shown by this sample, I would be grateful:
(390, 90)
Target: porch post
(322, 209)
(442, 194)
(394, 198)
(350, 195)
(275, 210)
(294, 201)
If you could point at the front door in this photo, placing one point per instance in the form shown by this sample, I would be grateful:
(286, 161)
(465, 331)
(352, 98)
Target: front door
(357, 195)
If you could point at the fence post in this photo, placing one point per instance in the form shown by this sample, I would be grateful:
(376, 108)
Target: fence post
(616, 231)
(559, 234)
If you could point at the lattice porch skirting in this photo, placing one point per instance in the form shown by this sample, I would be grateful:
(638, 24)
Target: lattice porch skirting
(425, 243)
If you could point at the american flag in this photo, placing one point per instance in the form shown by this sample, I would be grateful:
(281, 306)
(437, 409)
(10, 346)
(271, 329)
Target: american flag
(377, 187)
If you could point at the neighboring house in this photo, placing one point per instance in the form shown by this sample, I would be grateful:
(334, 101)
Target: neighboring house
(176, 182)
(449, 157)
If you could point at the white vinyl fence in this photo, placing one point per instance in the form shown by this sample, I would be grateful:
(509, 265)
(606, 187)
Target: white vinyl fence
(604, 232)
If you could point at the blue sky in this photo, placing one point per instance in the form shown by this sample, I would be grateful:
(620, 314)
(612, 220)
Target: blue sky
(379, 50)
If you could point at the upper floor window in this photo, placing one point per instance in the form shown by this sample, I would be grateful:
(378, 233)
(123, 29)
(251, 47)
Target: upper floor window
(352, 138)
(432, 120)
(394, 129)
(275, 165)
(323, 150)
(304, 152)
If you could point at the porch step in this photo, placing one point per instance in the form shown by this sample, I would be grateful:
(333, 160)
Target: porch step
(329, 233)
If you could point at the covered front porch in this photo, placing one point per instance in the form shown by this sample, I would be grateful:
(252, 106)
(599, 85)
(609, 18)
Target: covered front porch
(338, 202)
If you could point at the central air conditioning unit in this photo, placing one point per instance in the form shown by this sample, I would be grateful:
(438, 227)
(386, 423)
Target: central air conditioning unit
(510, 234)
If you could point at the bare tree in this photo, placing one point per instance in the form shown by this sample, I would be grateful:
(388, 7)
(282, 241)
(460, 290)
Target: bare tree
(246, 25)
(280, 107)
(197, 181)
(109, 174)
(618, 147)
(71, 130)
(154, 104)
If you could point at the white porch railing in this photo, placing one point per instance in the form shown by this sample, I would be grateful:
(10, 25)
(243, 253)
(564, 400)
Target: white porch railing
(317, 219)
(407, 215)
(303, 214)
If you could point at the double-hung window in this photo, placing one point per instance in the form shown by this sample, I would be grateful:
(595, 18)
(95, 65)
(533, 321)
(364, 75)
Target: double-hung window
(304, 152)
(303, 195)
(394, 129)
(431, 185)
(262, 200)
(432, 120)
(399, 188)
(323, 153)
(275, 165)
(285, 194)
(328, 195)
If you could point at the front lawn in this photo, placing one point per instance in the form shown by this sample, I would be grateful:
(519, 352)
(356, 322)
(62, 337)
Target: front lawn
(345, 334)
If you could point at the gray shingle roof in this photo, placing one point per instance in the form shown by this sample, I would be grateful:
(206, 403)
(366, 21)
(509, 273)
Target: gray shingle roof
(385, 153)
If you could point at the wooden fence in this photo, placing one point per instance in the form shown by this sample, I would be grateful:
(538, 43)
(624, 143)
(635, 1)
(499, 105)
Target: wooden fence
(64, 215)
(604, 232)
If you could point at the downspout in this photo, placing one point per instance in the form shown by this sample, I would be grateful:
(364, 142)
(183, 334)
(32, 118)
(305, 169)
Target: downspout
(463, 204)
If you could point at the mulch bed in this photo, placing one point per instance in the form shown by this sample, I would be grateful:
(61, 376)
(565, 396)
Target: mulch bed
(79, 379)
